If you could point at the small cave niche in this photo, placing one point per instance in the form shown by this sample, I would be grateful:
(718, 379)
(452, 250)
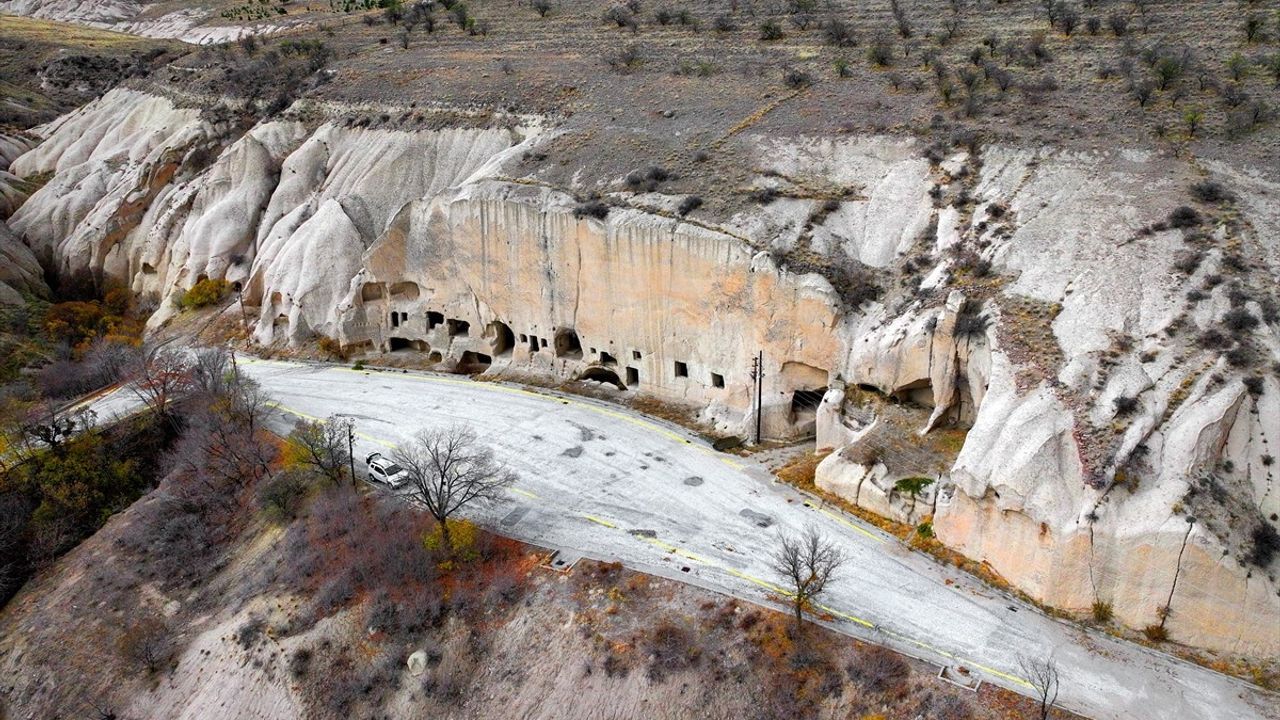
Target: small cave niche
(399, 343)
(373, 291)
(458, 328)
(567, 344)
(607, 359)
(501, 339)
(434, 319)
(633, 376)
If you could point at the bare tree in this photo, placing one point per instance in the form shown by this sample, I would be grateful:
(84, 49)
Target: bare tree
(211, 371)
(162, 375)
(807, 561)
(47, 426)
(324, 446)
(147, 644)
(1042, 673)
(448, 470)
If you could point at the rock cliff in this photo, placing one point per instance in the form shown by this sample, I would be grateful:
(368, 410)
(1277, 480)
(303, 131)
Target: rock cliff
(1073, 370)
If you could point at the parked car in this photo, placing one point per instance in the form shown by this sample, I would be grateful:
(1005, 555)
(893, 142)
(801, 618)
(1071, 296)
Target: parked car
(384, 470)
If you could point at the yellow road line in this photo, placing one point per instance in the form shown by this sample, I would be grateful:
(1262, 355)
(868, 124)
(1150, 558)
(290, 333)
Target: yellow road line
(526, 493)
(847, 616)
(763, 583)
(845, 521)
(305, 416)
(598, 521)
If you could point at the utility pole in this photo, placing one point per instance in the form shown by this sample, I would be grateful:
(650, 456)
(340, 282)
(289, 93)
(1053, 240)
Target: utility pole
(351, 449)
(757, 375)
(244, 318)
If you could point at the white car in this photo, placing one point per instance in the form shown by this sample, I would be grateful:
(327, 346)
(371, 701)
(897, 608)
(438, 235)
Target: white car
(384, 470)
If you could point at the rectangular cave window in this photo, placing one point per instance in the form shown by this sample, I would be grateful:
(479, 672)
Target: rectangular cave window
(395, 319)
(542, 341)
(459, 327)
(635, 354)
(533, 343)
(682, 369)
(434, 319)
(717, 380)
(633, 376)
(607, 359)
(524, 338)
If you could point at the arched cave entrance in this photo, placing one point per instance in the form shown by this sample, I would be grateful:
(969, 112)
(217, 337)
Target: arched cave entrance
(603, 375)
(474, 362)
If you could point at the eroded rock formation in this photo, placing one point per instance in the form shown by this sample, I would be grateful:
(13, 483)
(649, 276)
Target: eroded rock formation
(1033, 367)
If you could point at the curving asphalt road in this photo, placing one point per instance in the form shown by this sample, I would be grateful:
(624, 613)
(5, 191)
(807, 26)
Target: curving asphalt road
(600, 481)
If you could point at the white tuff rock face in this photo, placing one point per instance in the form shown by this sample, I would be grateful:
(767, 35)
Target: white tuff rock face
(130, 16)
(1036, 311)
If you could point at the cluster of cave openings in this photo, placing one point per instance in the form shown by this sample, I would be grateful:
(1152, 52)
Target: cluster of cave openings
(434, 319)
(567, 344)
(398, 318)
(501, 339)
(458, 327)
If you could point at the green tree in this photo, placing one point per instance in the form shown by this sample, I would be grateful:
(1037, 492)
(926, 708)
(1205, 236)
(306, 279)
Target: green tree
(913, 486)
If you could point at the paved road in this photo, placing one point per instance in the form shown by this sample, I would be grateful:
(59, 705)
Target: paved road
(610, 484)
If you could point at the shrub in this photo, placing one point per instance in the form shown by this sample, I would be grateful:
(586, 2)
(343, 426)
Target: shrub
(206, 292)
(1213, 340)
(1265, 544)
(689, 204)
(672, 648)
(925, 530)
(724, 24)
(1156, 633)
(971, 323)
(764, 195)
(331, 347)
(620, 16)
(1102, 611)
(879, 670)
(625, 59)
(1119, 23)
(300, 662)
(1255, 385)
(770, 31)
(147, 644)
(1239, 320)
(1124, 405)
(281, 497)
(880, 53)
(1184, 217)
(839, 33)
(647, 179)
(1188, 261)
(591, 208)
(796, 78)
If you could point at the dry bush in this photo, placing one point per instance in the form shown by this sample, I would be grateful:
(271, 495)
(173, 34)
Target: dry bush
(672, 648)
(879, 670)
